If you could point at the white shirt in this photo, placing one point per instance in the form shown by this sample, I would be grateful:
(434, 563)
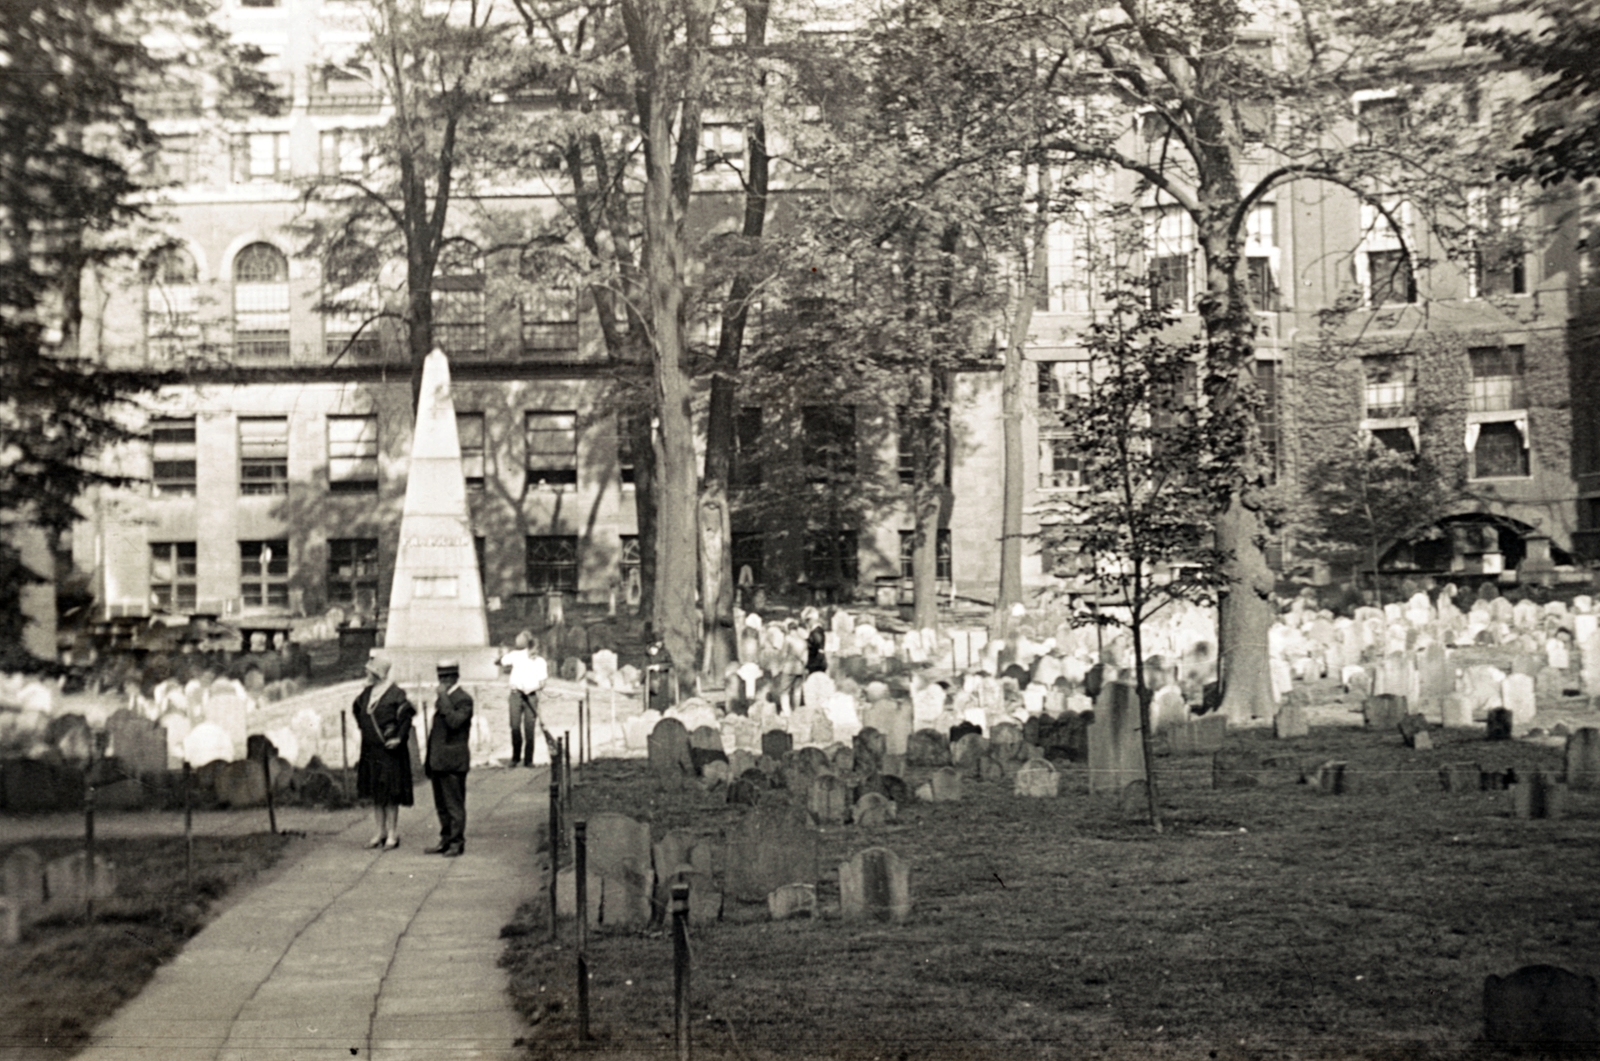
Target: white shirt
(528, 670)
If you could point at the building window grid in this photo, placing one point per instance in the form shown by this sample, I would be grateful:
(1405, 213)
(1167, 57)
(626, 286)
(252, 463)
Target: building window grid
(353, 573)
(550, 322)
(1060, 384)
(470, 433)
(552, 563)
(1384, 263)
(353, 454)
(1497, 374)
(459, 326)
(261, 303)
(260, 157)
(174, 572)
(1499, 449)
(173, 457)
(552, 447)
(264, 574)
(1170, 239)
(944, 564)
(1389, 387)
(264, 455)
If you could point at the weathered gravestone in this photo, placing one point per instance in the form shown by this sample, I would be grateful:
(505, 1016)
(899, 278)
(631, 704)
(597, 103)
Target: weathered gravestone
(228, 712)
(1201, 736)
(870, 748)
(1116, 755)
(791, 901)
(1461, 777)
(241, 783)
(740, 761)
(671, 755)
(1290, 721)
(944, 786)
(927, 747)
(775, 744)
(66, 879)
(1454, 711)
(680, 855)
(1499, 724)
(138, 745)
(873, 808)
(1537, 796)
(744, 792)
(1414, 732)
(1038, 778)
(770, 847)
(875, 884)
(619, 854)
(828, 800)
(1383, 712)
(1541, 1005)
(705, 746)
(967, 753)
(1517, 693)
(1583, 759)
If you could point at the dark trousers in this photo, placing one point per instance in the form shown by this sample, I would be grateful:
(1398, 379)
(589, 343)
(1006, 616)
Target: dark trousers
(450, 801)
(524, 716)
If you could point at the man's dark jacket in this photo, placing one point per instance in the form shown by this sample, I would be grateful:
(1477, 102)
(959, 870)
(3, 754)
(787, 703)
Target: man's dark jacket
(448, 750)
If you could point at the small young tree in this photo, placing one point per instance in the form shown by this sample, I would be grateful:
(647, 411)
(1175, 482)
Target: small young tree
(1154, 460)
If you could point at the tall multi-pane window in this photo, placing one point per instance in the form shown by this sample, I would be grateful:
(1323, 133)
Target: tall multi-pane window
(1382, 118)
(261, 304)
(549, 321)
(1267, 418)
(1061, 383)
(552, 447)
(342, 153)
(1499, 263)
(1170, 240)
(260, 157)
(1261, 257)
(1389, 388)
(353, 573)
(172, 457)
(1383, 262)
(264, 573)
(1496, 378)
(943, 563)
(630, 427)
(1499, 449)
(174, 570)
(353, 454)
(171, 303)
(552, 562)
(469, 430)
(458, 301)
(264, 455)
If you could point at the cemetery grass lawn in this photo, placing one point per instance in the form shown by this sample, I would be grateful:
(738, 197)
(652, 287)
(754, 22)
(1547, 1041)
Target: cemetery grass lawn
(66, 976)
(1273, 922)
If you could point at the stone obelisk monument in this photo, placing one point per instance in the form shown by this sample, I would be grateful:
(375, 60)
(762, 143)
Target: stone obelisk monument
(436, 607)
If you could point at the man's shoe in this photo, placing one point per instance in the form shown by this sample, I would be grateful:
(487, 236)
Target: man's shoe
(453, 852)
(436, 849)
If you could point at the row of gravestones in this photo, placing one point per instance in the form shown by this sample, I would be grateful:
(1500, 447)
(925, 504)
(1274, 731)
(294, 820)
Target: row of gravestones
(30, 886)
(36, 786)
(769, 854)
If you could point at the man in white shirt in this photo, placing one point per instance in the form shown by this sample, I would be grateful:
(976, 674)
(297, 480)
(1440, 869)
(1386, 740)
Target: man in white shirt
(528, 675)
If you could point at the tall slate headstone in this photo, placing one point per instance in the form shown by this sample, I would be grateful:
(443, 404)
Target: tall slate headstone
(1583, 759)
(1116, 755)
(1541, 1005)
(771, 847)
(875, 884)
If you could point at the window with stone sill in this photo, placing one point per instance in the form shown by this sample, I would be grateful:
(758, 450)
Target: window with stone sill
(943, 563)
(552, 563)
(551, 440)
(353, 454)
(263, 455)
(1389, 386)
(353, 573)
(174, 571)
(1060, 465)
(264, 573)
(470, 433)
(173, 457)
(1497, 378)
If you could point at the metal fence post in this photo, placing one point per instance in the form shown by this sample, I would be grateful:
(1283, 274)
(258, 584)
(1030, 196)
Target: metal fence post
(580, 866)
(188, 824)
(88, 850)
(555, 851)
(680, 966)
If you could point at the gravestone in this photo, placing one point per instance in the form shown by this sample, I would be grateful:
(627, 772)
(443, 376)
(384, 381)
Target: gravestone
(873, 808)
(1414, 728)
(1453, 710)
(1038, 778)
(1434, 676)
(1383, 712)
(870, 747)
(1290, 722)
(1499, 724)
(1583, 759)
(1541, 1005)
(1461, 777)
(66, 879)
(1357, 682)
(139, 745)
(876, 885)
(740, 761)
(945, 785)
(1329, 777)
(790, 901)
(670, 753)
(770, 847)
(619, 854)
(927, 747)
(227, 712)
(1201, 736)
(967, 753)
(1517, 694)
(743, 791)
(1537, 796)
(22, 877)
(680, 855)
(1116, 755)
(241, 784)
(828, 800)
(775, 744)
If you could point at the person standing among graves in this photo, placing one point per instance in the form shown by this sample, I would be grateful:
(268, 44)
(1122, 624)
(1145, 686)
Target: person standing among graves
(529, 672)
(383, 714)
(448, 758)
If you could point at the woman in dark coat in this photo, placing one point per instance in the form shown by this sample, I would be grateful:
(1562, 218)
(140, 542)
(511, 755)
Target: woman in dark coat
(383, 773)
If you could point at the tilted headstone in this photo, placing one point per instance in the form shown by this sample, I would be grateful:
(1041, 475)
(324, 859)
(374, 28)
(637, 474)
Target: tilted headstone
(1414, 728)
(768, 848)
(1541, 1005)
(670, 753)
(1116, 755)
(875, 884)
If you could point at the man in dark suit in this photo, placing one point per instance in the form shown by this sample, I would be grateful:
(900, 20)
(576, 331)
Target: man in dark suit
(448, 759)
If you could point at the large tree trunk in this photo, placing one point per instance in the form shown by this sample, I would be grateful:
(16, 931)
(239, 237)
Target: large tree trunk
(716, 528)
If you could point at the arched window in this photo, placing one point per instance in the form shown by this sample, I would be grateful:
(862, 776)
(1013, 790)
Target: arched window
(351, 302)
(171, 287)
(458, 326)
(549, 311)
(261, 304)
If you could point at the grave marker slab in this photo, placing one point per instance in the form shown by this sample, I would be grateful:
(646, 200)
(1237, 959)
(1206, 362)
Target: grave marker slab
(1583, 759)
(790, 901)
(620, 854)
(1541, 1006)
(1116, 755)
(875, 884)
(1038, 779)
(771, 847)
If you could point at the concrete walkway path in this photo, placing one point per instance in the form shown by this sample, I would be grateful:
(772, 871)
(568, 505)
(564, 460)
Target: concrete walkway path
(351, 953)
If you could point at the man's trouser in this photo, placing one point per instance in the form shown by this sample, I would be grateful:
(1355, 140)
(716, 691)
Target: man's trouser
(524, 717)
(450, 801)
